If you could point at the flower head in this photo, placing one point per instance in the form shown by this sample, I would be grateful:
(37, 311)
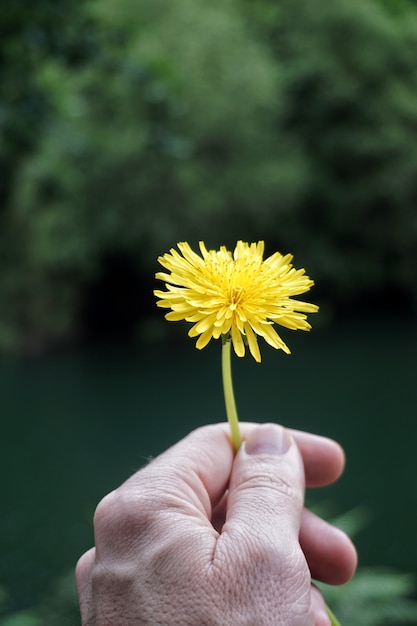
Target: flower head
(239, 295)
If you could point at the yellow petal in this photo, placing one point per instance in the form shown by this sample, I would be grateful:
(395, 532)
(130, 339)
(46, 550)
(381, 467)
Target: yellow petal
(203, 340)
(237, 341)
(253, 343)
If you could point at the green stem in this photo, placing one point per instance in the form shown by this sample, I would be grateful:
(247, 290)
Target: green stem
(332, 617)
(229, 397)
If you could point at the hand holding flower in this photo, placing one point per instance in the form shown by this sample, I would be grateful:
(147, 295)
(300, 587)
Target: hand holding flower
(236, 297)
(203, 536)
(211, 533)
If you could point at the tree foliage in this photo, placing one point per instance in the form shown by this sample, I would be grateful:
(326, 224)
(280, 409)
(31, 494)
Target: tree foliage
(129, 126)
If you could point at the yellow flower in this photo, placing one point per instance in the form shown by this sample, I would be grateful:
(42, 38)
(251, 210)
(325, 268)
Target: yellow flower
(239, 295)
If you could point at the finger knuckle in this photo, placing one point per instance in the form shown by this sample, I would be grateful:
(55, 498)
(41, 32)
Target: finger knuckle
(273, 490)
(122, 516)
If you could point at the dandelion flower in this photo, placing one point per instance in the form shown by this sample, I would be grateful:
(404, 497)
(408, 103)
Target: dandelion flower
(239, 295)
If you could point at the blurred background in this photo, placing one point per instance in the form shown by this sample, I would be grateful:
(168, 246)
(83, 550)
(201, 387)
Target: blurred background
(128, 126)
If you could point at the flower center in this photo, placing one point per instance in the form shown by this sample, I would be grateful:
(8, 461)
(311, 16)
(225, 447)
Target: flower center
(235, 296)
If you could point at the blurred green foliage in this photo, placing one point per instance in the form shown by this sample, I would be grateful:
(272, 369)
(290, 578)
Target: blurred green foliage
(126, 127)
(375, 596)
(59, 607)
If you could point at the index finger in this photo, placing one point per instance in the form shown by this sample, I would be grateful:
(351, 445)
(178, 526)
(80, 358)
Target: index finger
(323, 458)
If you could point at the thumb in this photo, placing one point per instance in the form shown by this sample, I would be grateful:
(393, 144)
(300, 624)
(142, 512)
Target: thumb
(260, 534)
(266, 490)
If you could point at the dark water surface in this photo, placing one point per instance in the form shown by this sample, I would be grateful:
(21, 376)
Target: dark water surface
(75, 425)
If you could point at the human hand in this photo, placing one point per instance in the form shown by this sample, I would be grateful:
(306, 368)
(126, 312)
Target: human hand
(201, 536)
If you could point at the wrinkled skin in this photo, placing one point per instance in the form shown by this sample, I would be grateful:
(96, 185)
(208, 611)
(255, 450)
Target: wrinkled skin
(203, 537)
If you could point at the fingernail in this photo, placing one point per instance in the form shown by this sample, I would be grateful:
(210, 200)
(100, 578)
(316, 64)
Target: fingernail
(268, 439)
